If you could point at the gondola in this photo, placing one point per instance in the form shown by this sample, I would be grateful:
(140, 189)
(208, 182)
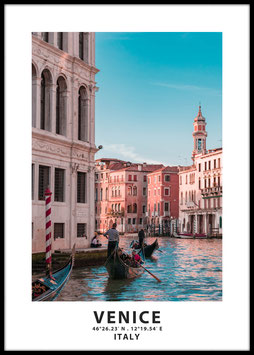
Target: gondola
(48, 288)
(148, 249)
(189, 236)
(118, 269)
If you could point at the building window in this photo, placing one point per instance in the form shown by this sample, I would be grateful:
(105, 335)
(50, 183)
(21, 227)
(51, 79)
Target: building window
(135, 208)
(214, 164)
(209, 165)
(61, 106)
(81, 230)
(144, 209)
(32, 181)
(129, 209)
(44, 180)
(199, 167)
(166, 191)
(166, 207)
(129, 220)
(59, 185)
(134, 221)
(167, 178)
(135, 178)
(81, 187)
(34, 95)
(83, 115)
(84, 46)
(60, 40)
(205, 165)
(135, 191)
(81, 45)
(144, 178)
(180, 180)
(140, 221)
(129, 178)
(58, 230)
(199, 183)
(144, 191)
(46, 81)
(45, 36)
(218, 162)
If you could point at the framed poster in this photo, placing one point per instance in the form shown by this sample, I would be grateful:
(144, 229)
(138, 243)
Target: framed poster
(130, 127)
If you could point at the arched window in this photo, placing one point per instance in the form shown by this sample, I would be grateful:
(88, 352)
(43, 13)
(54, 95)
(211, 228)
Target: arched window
(46, 81)
(134, 208)
(135, 191)
(83, 115)
(34, 96)
(129, 190)
(61, 106)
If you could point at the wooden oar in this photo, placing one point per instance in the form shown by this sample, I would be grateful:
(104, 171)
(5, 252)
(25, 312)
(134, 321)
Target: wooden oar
(149, 272)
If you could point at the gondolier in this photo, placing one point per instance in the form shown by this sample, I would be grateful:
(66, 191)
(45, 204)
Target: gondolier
(113, 238)
(141, 237)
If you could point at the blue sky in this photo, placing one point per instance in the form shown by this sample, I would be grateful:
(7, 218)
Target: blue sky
(150, 87)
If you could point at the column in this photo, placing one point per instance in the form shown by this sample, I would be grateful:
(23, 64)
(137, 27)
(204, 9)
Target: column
(53, 108)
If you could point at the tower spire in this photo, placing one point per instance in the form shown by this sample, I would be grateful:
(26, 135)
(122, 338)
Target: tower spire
(199, 134)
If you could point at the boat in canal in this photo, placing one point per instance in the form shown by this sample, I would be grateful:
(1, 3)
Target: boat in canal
(48, 288)
(148, 249)
(119, 269)
(189, 235)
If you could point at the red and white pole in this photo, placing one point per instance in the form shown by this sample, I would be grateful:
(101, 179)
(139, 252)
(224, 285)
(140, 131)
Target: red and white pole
(48, 194)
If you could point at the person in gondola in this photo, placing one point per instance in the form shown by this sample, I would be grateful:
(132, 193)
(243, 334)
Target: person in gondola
(113, 238)
(141, 237)
(95, 242)
(135, 259)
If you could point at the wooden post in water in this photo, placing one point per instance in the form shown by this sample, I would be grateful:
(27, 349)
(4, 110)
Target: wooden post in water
(48, 194)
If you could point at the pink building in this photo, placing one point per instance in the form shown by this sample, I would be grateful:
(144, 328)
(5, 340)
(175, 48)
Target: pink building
(163, 195)
(121, 194)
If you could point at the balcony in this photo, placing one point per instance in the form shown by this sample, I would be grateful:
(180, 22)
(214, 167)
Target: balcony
(215, 190)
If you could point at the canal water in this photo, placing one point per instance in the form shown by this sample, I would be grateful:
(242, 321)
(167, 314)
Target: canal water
(189, 270)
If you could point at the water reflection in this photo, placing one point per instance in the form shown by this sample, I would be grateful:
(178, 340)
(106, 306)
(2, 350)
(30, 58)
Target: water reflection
(190, 270)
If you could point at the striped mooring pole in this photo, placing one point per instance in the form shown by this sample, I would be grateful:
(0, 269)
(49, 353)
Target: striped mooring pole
(48, 194)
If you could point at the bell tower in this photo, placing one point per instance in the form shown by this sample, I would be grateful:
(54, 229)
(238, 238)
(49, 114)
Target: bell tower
(199, 134)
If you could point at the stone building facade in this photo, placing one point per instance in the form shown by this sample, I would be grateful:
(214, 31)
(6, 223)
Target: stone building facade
(200, 186)
(63, 137)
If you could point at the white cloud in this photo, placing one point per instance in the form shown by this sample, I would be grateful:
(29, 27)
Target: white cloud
(126, 152)
(188, 88)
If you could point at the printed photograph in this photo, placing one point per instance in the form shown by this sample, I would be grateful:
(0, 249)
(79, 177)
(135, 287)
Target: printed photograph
(127, 166)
